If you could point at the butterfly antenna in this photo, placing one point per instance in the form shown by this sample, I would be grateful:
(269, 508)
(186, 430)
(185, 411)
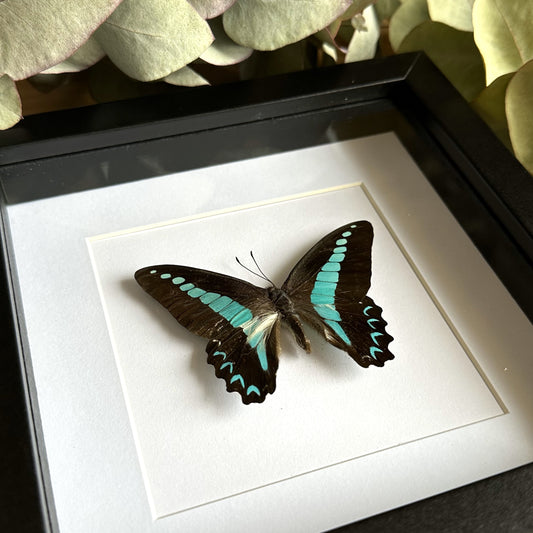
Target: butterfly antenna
(259, 268)
(262, 276)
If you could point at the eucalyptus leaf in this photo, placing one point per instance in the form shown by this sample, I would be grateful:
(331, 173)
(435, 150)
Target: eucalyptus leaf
(364, 40)
(519, 110)
(502, 29)
(36, 35)
(386, 8)
(453, 51)
(209, 9)
(186, 77)
(490, 106)
(407, 17)
(150, 40)
(271, 24)
(10, 106)
(86, 56)
(454, 13)
(224, 51)
(356, 8)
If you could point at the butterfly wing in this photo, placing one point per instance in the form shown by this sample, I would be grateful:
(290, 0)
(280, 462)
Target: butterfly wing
(328, 288)
(238, 318)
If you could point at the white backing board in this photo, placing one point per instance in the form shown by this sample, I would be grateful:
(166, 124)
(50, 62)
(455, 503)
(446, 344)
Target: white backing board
(144, 445)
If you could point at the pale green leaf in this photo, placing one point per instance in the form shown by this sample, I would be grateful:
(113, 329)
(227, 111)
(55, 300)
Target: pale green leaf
(407, 17)
(356, 8)
(150, 40)
(186, 77)
(35, 35)
(365, 38)
(271, 24)
(454, 13)
(503, 33)
(86, 56)
(490, 106)
(209, 9)
(224, 51)
(519, 110)
(10, 106)
(453, 51)
(386, 8)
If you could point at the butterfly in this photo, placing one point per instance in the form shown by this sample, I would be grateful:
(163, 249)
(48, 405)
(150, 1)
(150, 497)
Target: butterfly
(327, 289)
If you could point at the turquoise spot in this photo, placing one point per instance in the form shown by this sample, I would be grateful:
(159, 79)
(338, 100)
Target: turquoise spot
(372, 320)
(241, 318)
(323, 287)
(223, 354)
(231, 310)
(337, 258)
(178, 280)
(339, 250)
(209, 297)
(331, 277)
(229, 363)
(331, 267)
(337, 328)
(237, 377)
(254, 339)
(196, 292)
(374, 335)
(328, 312)
(220, 303)
(187, 287)
(346, 233)
(165, 276)
(366, 309)
(353, 226)
(341, 242)
(153, 271)
(261, 352)
(318, 299)
(373, 350)
(252, 388)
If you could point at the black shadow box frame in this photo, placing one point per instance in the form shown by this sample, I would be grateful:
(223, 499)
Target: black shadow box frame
(483, 185)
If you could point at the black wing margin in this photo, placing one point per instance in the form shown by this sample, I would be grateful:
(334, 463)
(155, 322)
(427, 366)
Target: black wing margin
(238, 318)
(329, 286)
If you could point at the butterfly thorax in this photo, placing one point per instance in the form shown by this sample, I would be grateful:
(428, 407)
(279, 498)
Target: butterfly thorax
(288, 313)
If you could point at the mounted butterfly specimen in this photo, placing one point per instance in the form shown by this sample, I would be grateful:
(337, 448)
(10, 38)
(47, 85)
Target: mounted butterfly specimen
(327, 289)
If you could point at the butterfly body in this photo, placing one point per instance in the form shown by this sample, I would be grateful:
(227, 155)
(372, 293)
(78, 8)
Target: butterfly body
(326, 289)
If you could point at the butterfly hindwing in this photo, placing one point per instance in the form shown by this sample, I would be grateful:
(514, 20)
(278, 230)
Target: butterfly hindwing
(328, 287)
(238, 318)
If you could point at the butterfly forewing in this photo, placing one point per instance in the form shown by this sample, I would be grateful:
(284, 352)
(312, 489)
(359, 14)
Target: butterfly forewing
(238, 318)
(328, 288)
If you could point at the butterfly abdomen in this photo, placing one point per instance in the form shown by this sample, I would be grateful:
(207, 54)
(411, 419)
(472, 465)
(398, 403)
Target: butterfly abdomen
(287, 310)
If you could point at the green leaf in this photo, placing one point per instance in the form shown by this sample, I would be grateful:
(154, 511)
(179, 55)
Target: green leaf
(271, 24)
(209, 9)
(36, 34)
(186, 77)
(490, 106)
(86, 56)
(502, 29)
(386, 8)
(407, 17)
(150, 40)
(10, 106)
(224, 51)
(454, 13)
(356, 8)
(519, 110)
(365, 38)
(453, 51)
